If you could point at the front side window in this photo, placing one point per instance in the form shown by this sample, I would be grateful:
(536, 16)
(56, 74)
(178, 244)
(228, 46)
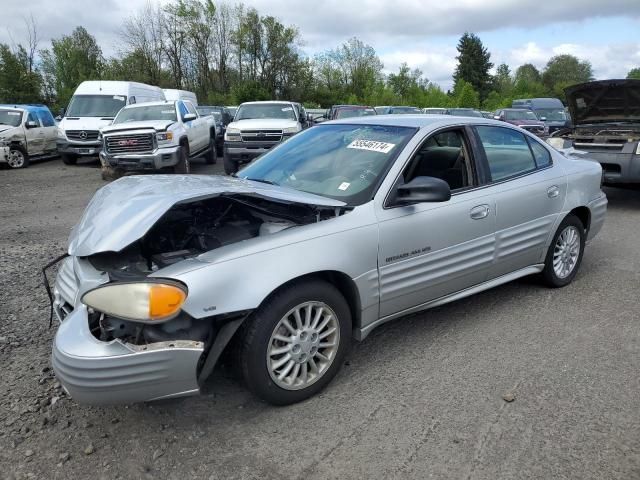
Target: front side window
(442, 156)
(343, 162)
(507, 151)
(265, 110)
(96, 105)
(33, 118)
(46, 119)
(148, 113)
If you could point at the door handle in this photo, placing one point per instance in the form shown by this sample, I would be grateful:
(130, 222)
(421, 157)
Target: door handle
(553, 192)
(479, 212)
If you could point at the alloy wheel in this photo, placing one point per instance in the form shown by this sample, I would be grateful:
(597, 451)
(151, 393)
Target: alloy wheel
(566, 252)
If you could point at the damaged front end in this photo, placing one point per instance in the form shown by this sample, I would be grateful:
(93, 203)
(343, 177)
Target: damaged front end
(124, 336)
(606, 118)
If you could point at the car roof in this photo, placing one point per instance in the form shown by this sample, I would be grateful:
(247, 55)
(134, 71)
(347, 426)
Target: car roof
(155, 103)
(282, 102)
(27, 107)
(415, 121)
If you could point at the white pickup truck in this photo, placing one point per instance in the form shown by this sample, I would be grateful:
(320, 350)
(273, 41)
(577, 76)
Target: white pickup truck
(156, 136)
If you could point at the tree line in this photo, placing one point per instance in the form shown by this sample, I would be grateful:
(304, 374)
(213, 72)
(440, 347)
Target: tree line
(230, 53)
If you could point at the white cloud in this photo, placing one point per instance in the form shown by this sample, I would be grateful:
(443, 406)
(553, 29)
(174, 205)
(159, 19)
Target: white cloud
(437, 63)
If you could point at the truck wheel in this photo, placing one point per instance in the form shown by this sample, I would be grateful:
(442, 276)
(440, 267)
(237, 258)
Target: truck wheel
(211, 157)
(296, 342)
(230, 166)
(565, 253)
(183, 163)
(69, 159)
(110, 173)
(18, 157)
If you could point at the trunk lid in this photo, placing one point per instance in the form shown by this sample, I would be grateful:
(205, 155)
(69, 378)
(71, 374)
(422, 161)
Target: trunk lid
(123, 211)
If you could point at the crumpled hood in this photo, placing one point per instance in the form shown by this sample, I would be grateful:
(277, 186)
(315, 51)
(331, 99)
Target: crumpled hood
(158, 125)
(604, 101)
(123, 211)
(260, 123)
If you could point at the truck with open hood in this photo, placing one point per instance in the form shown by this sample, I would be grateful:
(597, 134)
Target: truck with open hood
(606, 127)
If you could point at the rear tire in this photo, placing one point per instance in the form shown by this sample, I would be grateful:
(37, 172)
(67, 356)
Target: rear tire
(69, 159)
(183, 166)
(230, 166)
(286, 359)
(211, 157)
(565, 253)
(18, 157)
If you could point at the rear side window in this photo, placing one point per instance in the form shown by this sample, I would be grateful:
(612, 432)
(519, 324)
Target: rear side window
(507, 151)
(540, 153)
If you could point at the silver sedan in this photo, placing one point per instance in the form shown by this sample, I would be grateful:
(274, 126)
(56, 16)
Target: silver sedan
(344, 227)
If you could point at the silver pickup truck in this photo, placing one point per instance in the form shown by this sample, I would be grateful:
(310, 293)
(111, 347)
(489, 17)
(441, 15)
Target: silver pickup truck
(157, 136)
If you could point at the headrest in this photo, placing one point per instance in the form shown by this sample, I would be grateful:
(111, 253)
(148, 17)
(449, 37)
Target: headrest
(439, 158)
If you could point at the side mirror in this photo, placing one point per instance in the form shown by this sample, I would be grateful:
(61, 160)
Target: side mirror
(189, 116)
(58, 118)
(423, 189)
(543, 119)
(31, 124)
(496, 117)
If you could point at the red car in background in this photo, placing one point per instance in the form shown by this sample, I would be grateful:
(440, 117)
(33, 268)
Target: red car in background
(523, 118)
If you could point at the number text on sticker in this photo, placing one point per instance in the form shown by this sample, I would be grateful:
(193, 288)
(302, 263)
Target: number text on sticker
(371, 145)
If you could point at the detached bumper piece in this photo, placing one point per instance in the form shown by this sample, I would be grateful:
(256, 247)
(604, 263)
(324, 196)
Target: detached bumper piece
(99, 373)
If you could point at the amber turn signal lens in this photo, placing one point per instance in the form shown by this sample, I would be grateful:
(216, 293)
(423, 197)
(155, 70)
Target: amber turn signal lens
(164, 301)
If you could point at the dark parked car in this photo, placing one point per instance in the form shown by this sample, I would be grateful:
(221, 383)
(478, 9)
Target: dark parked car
(403, 110)
(523, 118)
(346, 111)
(464, 112)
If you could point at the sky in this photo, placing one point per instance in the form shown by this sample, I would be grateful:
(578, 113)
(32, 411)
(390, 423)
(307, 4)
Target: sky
(422, 33)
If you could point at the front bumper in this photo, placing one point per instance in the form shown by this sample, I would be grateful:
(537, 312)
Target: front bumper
(79, 149)
(96, 372)
(100, 373)
(4, 154)
(244, 152)
(618, 168)
(159, 158)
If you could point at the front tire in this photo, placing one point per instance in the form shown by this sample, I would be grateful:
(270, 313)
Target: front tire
(296, 342)
(183, 166)
(565, 253)
(211, 157)
(68, 159)
(18, 157)
(230, 165)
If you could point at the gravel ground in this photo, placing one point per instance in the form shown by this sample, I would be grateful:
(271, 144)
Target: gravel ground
(422, 397)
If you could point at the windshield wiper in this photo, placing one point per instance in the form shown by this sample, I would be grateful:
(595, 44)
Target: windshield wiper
(261, 180)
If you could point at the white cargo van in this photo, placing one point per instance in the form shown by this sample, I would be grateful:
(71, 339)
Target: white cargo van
(173, 94)
(94, 104)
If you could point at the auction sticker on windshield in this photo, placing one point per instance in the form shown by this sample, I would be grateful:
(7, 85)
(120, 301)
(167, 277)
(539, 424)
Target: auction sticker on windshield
(371, 145)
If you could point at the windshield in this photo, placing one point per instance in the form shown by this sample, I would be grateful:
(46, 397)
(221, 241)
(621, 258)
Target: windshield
(552, 114)
(463, 112)
(404, 110)
(434, 111)
(519, 115)
(145, 114)
(354, 112)
(10, 117)
(343, 162)
(96, 105)
(265, 110)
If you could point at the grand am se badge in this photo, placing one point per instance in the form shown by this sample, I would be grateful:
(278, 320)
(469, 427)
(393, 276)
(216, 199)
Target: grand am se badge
(407, 254)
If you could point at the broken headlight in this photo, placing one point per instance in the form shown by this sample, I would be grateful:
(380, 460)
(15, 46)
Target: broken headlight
(147, 302)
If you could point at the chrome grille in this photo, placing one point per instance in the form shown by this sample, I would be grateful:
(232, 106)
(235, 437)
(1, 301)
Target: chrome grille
(261, 135)
(129, 143)
(82, 135)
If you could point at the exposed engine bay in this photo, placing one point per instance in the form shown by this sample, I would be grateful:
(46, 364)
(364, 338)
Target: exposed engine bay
(614, 133)
(188, 230)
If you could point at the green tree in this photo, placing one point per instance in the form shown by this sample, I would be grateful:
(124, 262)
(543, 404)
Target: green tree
(407, 84)
(502, 81)
(18, 83)
(71, 60)
(473, 65)
(466, 96)
(565, 70)
(527, 73)
(634, 73)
